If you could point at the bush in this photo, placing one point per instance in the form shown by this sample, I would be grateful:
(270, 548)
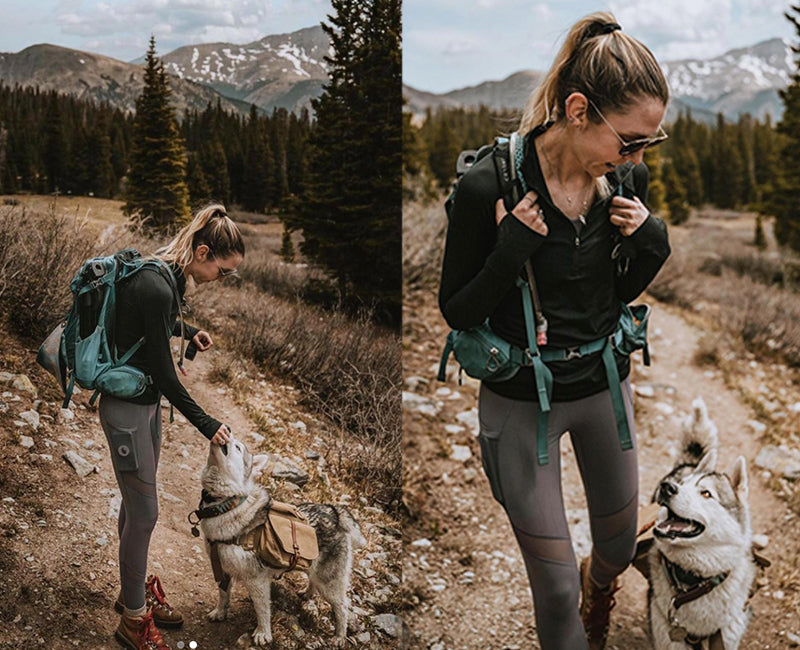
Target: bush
(424, 230)
(347, 369)
(39, 254)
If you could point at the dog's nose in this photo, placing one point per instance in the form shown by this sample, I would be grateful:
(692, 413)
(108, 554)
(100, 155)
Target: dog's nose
(666, 490)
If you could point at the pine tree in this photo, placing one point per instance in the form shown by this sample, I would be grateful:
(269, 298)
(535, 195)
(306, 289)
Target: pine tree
(759, 238)
(156, 187)
(351, 212)
(677, 205)
(287, 246)
(656, 192)
(783, 202)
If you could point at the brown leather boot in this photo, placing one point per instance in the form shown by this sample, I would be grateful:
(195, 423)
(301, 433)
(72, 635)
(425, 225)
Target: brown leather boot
(155, 600)
(139, 633)
(596, 604)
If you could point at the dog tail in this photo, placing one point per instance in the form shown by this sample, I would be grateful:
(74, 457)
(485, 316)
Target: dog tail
(699, 434)
(348, 522)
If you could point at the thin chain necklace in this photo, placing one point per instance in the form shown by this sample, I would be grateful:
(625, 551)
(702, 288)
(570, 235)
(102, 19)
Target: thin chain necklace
(584, 204)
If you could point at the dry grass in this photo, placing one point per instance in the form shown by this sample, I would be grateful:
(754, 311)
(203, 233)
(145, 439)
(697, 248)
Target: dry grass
(346, 369)
(424, 229)
(713, 270)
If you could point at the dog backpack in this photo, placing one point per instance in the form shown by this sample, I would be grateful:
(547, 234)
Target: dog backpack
(285, 541)
(81, 349)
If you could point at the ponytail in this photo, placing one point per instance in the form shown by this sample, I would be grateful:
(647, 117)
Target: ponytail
(600, 61)
(210, 226)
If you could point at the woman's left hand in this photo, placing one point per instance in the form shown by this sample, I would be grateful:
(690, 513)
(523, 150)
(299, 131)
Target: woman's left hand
(627, 214)
(202, 340)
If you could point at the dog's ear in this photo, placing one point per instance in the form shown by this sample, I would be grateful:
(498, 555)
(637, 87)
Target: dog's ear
(738, 477)
(708, 463)
(260, 462)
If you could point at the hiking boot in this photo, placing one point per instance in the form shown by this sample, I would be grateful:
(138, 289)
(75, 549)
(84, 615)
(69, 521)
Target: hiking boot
(596, 604)
(139, 633)
(155, 600)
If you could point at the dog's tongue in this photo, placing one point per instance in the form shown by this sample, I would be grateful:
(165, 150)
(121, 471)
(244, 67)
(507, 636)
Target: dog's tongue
(672, 527)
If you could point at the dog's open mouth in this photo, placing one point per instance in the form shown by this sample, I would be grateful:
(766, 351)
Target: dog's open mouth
(674, 526)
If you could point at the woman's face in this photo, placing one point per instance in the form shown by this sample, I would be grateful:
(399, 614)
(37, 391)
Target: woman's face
(205, 267)
(597, 146)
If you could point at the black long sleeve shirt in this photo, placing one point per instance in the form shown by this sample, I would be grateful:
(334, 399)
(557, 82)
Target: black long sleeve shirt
(579, 289)
(146, 306)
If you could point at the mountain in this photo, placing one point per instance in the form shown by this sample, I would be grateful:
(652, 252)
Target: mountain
(98, 78)
(745, 80)
(278, 71)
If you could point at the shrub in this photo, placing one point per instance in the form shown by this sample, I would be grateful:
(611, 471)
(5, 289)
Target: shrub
(39, 254)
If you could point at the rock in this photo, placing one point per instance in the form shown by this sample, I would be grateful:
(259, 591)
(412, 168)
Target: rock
(461, 453)
(453, 429)
(415, 382)
(757, 427)
(389, 624)
(32, 418)
(256, 437)
(300, 426)
(6, 377)
(26, 441)
(424, 405)
(114, 505)
(760, 541)
(81, 466)
(284, 469)
(422, 543)
(101, 541)
(363, 638)
(22, 383)
(780, 460)
(470, 474)
(793, 638)
(470, 420)
(663, 407)
(312, 455)
(645, 391)
(3, 407)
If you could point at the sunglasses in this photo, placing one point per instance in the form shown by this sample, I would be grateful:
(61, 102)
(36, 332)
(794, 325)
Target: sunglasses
(629, 148)
(222, 272)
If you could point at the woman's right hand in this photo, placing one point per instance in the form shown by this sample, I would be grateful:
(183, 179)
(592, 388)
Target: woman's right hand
(527, 211)
(222, 435)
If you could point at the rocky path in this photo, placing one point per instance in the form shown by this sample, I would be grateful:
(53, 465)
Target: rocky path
(58, 540)
(462, 566)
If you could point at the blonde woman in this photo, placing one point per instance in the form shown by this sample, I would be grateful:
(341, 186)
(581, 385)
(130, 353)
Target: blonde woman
(592, 248)
(207, 249)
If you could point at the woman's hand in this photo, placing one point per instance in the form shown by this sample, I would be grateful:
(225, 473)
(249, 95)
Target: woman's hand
(527, 211)
(202, 340)
(627, 214)
(222, 436)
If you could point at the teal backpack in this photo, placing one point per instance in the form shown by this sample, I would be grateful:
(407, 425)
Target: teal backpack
(81, 349)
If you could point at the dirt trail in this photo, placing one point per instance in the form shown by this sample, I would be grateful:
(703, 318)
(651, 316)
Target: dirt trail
(58, 549)
(462, 564)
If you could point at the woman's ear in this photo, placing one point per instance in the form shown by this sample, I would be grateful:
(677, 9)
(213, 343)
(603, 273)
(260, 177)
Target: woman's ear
(201, 253)
(576, 107)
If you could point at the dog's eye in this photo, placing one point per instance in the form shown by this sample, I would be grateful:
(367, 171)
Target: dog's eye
(706, 494)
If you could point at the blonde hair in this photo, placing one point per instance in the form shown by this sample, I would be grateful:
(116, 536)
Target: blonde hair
(599, 60)
(210, 226)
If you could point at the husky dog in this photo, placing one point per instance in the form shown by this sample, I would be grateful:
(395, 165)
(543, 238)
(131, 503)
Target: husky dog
(231, 471)
(701, 566)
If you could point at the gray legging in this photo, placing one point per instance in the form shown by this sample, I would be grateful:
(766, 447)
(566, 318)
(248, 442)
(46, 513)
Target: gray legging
(133, 432)
(532, 497)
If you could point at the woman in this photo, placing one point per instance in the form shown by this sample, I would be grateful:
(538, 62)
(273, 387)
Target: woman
(208, 248)
(602, 98)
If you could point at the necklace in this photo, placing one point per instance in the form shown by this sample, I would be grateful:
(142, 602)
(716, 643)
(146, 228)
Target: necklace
(570, 202)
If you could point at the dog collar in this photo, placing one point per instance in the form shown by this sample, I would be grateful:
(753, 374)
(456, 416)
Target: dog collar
(689, 586)
(214, 510)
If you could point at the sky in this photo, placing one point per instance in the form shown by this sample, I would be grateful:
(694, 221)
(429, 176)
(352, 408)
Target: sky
(447, 46)
(122, 28)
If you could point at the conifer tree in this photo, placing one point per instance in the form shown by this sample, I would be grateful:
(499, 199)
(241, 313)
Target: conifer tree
(156, 187)
(656, 192)
(677, 205)
(783, 201)
(351, 212)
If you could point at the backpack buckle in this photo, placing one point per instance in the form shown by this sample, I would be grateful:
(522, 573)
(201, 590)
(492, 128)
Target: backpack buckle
(573, 353)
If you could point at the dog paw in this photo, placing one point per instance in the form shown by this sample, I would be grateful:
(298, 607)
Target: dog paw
(261, 637)
(217, 614)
